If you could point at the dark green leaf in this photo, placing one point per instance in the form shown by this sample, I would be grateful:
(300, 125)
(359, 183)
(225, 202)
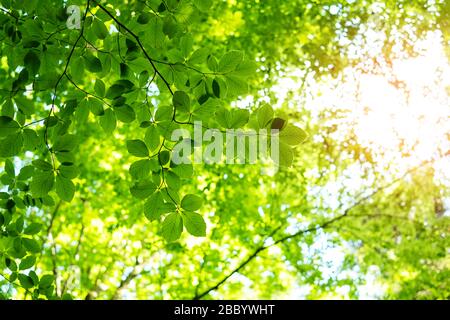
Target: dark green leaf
(137, 148)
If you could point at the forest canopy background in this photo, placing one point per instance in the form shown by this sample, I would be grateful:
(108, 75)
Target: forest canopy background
(92, 207)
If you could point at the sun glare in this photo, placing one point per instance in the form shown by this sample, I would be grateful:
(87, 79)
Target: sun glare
(401, 113)
(407, 116)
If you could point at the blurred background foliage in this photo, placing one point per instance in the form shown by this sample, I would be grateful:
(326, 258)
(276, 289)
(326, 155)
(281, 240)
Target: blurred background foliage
(356, 216)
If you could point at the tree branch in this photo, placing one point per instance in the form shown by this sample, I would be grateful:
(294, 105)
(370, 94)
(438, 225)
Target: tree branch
(301, 232)
(135, 36)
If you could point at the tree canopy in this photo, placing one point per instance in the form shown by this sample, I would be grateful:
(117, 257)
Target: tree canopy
(94, 206)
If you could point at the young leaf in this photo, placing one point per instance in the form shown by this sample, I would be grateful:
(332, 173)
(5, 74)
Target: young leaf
(152, 138)
(143, 190)
(153, 207)
(137, 148)
(230, 61)
(164, 113)
(99, 87)
(286, 155)
(64, 188)
(191, 202)
(265, 115)
(172, 227)
(292, 135)
(108, 121)
(194, 223)
(141, 168)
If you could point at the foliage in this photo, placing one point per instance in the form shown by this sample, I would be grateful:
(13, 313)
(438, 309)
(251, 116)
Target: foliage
(92, 204)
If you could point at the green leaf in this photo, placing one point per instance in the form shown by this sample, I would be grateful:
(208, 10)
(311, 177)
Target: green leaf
(125, 113)
(31, 245)
(186, 43)
(164, 157)
(144, 18)
(27, 263)
(194, 223)
(10, 264)
(8, 109)
(42, 165)
(8, 126)
(64, 188)
(95, 106)
(9, 168)
(65, 143)
(265, 115)
(143, 190)
(191, 202)
(154, 206)
(25, 106)
(230, 61)
(181, 101)
(203, 5)
(154, 34)
(93, 63)
(66, 296)
(99, 29)
(152, 138)
(199, 56)
(33, 228)
(99, 88)
(172, 227)
(239, 118)
(25, 173)
(26, 281)
(292, 135)
(115, 91)
(164, 113)
(140, 169)
(184, 170)
(245, 69)
(137, 148)
(30, 139)
(32, 62)
(108, 121)
(278, 124)
(172, 180)
(11, 145)
(42, 183)
(68, 171)
(46, 281)
(236, 85)
(286, 155)
(216, 88)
